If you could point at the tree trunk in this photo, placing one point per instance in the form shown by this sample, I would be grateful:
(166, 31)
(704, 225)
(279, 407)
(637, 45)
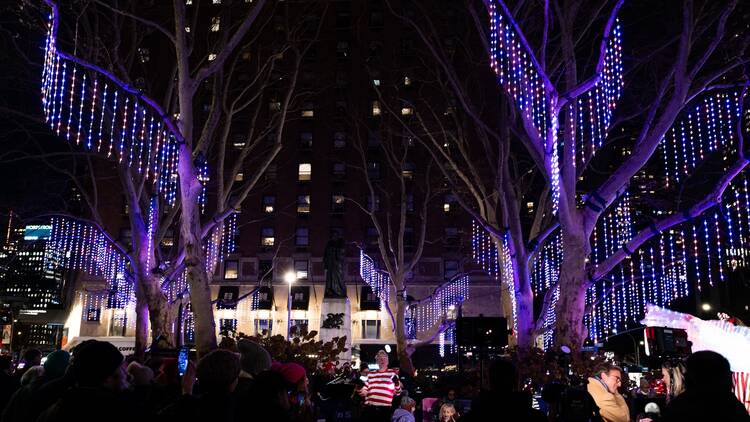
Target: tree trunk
(402, 345)
(141, 322)
(524, 306)
(571, 305)
(158, 308)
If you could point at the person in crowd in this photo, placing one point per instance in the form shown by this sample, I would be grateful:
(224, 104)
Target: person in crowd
(298, 388)
(254, 359)
(269, 398)
(8, 383)
(29, 359)
(405, 412)
(99, 382)
(503, 401)
(708, 392)
(28, 402)
(228, 343)
(379, 389)
(673, 375)
(30, 376)
(603, 388)
(447, 413)
(140, 375)
(217, 375)
(449, 398)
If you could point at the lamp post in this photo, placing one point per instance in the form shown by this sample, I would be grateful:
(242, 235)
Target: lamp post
(290, 277)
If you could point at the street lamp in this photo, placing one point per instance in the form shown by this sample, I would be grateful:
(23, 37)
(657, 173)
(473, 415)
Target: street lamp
(706, 307)
(290, 277)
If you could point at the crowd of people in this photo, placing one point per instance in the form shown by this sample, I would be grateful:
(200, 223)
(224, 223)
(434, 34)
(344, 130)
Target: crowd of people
(239, 381)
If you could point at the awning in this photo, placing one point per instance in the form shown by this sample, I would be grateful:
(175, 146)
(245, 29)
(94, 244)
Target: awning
(227, 298)
(126, 345)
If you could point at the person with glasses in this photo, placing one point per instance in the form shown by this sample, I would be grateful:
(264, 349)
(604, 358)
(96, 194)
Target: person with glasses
(603, 389)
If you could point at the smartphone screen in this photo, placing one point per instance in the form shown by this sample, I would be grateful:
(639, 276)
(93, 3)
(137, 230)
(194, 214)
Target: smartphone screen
(182, 361)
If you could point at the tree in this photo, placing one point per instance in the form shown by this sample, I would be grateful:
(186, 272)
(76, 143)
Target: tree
(540, 144)
(191, 170)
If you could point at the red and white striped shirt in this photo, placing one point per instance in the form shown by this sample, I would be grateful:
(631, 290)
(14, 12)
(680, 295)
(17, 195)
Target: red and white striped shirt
(381, 388)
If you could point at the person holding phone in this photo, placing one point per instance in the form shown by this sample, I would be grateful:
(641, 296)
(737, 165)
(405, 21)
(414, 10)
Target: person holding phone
(380, 388)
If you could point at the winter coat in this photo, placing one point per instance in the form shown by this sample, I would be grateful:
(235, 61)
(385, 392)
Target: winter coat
(612, 406)
(402, 415)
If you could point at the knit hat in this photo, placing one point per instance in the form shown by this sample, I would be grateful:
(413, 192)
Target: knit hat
(292, 372)
(254, 359)
(96, 361)
(56, 364)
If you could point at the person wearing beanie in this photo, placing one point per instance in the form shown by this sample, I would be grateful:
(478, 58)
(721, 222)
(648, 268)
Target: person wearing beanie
(254, 359)
(405, 412)
(99, 384)
(298, 388)
(56, 364)
(30, 401)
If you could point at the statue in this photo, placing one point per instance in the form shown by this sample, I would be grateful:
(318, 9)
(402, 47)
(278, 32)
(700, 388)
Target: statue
(333, 261)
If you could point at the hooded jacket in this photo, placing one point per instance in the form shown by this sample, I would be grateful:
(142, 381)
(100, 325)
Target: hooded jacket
(612, 406)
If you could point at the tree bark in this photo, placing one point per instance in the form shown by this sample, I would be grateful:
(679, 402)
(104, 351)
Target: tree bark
(571, 305)
(402, 345)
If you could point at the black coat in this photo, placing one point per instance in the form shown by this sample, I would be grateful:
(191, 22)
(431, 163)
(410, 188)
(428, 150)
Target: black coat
(705, 406)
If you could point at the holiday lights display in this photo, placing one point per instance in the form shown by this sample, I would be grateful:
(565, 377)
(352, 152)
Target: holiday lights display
(87, 105)
(497, 263)
(435, 308)
(378, 280)
(524, 79)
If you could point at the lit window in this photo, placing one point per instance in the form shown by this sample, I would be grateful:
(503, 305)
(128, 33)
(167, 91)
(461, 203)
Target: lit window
(269, 202)
(305, 172)
(376, 82)
(300, 269)
(447, 207)
(188, 2)
(376, 108)
(239, 177)
(408, 171)
(302, 237)
(303, 204)
(263, 327)
(211, 57)
(530, 206)
(448, 202)
(231, 270)
(274, 105)
(308, 110)
(337, 202)
(216, 1)
(407, 81)
(267, 237)
(339, 140)
(215, 24)
(407, 111)
(187, 29)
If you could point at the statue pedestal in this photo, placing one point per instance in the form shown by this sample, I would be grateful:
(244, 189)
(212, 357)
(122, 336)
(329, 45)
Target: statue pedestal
(341, 319)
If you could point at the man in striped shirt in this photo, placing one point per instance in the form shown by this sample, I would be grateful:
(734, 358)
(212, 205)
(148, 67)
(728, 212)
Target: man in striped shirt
(379, 389)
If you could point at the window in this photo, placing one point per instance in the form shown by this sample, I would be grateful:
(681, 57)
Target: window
(227, 298)
(263, 327)
(407, 109)
(407, 81)
(530, 207)
(371, 236)
(303, 204)
(337, 203)
(342, 79)
(306, 140)
(407, 46)
(215, 23)
(300, 269)
(376, 108)
(227, 326)
(376, 82)
(339, 169)
(300, 297)
(373, 139)
(451, 236)
(410, 202)
(302, 237)
(274, 105)
(376, 19)
(238, 142)
(271, 172)
(342, 50)
(449, 202)
(375, 49)
(93, 314)
(337, 232)
(368, 300)
(339, 140)
(269, 204)
(240, 176)
(231, 270)
(298, 327)
(450, 268)
(265, 273)
(408, 236)
(343, 19)
(373, 170)
(373, 204)
(371, 329)
(267, 237)
(143, 55)
(408, 170)
(308, 109)
(304, 173)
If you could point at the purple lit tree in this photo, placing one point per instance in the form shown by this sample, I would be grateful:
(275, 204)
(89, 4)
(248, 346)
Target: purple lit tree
(550, 170)
(186, 163)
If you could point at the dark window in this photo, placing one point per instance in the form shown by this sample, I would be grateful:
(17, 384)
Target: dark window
(410, 202)
(306, 140)
(368, 300)
(227, 298)
(300, 298)
(302, 237)
(373, 205)
(450, 268)
(265, 270)
(376, 19)
(407, 46)
(339, 169)
(371, 237)
(262, 298)
(342, 50)
(271, 172)
(93, 314)
(343, 20)
(337, 232)
(451, 236)
(339, 140)
(408, 237)
(373, 170)
(269, 204)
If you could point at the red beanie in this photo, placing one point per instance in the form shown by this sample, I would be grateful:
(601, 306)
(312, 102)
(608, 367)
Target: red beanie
(292, 372)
